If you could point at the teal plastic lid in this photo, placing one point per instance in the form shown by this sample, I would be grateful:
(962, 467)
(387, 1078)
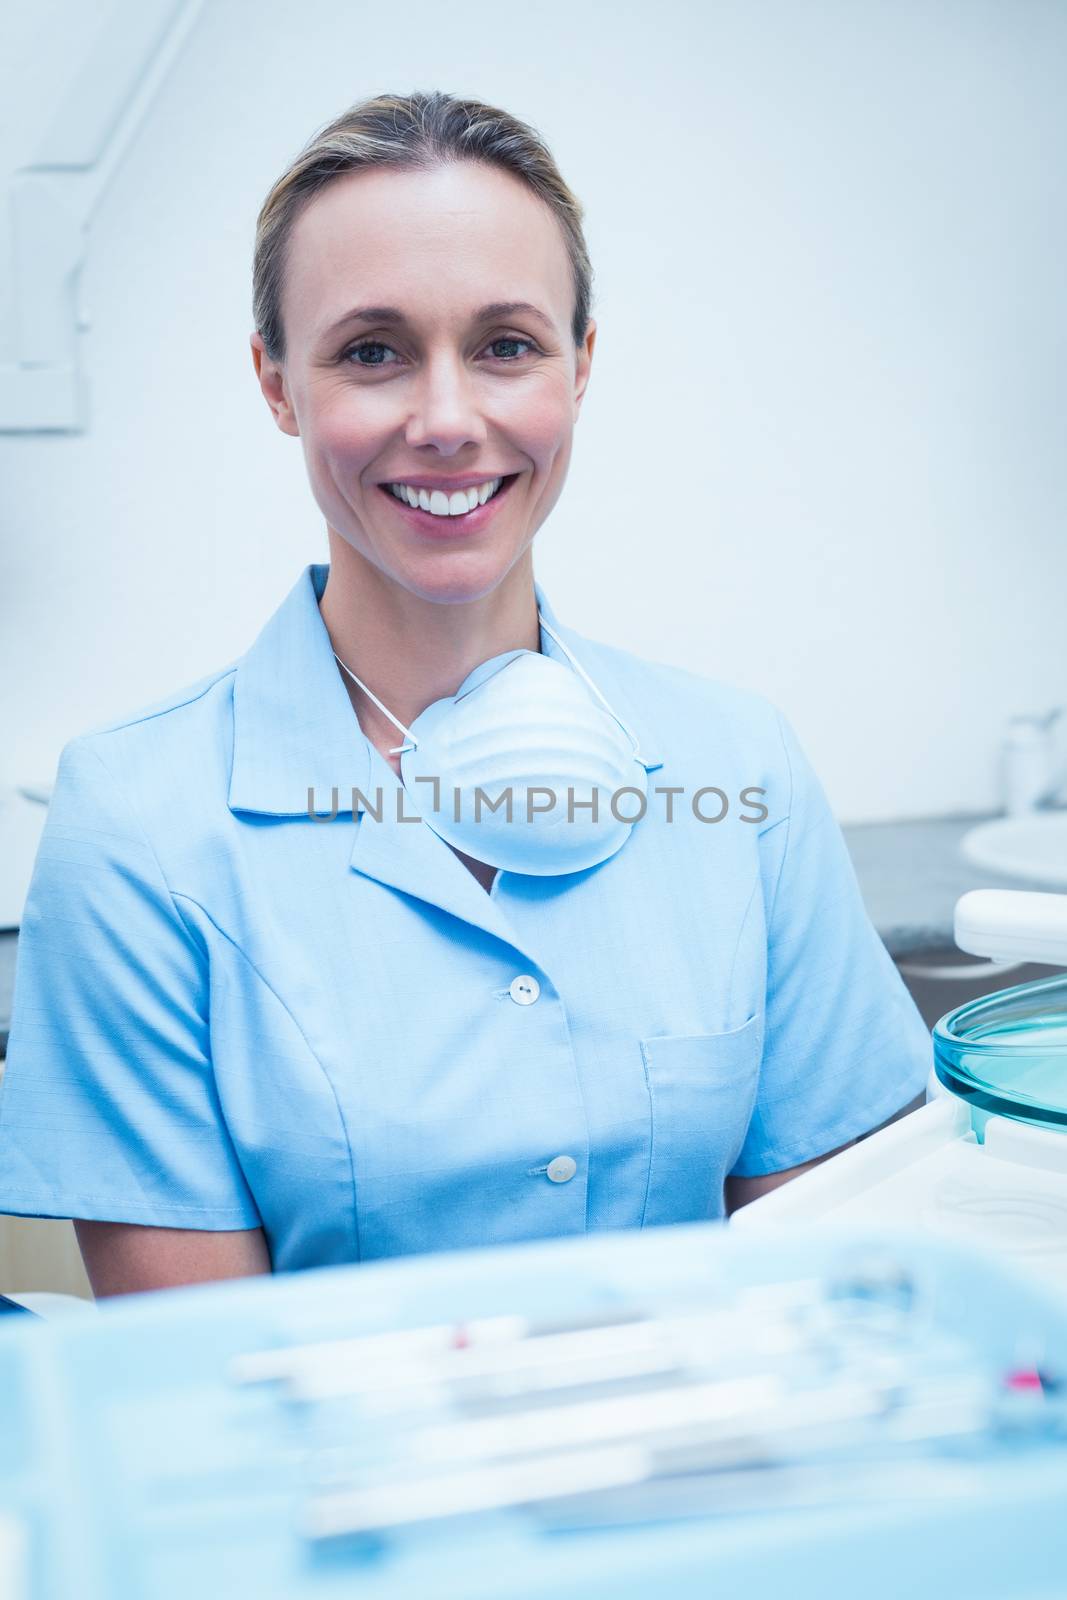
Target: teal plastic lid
(1006, 1053)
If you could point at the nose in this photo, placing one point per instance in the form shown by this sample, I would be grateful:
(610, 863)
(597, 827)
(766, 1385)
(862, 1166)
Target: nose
(445, 413)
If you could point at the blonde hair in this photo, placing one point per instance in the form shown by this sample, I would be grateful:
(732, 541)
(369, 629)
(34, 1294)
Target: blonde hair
(410, 132)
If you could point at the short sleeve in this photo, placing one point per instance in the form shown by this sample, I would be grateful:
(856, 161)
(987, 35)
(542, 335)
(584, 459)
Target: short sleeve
(844, 1044)
(108, 1104)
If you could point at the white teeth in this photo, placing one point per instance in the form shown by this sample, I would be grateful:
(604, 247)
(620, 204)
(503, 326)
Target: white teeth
(440, 504)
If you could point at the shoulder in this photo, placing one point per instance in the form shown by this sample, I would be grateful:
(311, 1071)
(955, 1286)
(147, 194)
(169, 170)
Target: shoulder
(182, 709)
(156, 759)
(693, 709)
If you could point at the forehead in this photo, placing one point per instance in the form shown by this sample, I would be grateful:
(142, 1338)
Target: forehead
(430, 242)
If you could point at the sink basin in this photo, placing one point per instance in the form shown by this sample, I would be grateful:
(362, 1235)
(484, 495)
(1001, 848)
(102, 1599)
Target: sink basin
(1033, 847)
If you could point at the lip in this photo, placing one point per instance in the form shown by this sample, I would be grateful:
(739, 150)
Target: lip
(448, 527)
(465, 480)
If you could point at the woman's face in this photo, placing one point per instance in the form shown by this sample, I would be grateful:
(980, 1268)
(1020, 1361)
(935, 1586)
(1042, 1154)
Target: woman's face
(402, 368)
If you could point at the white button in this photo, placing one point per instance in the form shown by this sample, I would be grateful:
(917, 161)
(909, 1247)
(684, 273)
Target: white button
(524, 991)
(562, 1169)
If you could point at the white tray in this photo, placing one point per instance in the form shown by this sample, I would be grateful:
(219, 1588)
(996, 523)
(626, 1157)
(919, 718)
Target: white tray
(928, 1170)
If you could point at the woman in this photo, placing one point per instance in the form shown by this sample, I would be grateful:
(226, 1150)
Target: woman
(266, 1018)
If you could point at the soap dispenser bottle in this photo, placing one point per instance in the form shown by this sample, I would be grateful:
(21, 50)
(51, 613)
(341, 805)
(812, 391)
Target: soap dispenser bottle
(1028, 753)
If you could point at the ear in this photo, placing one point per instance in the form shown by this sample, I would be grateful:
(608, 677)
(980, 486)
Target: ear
(271, 375)
(582, 366)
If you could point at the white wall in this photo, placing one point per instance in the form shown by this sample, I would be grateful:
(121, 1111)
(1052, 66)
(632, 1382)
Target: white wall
(822, 450)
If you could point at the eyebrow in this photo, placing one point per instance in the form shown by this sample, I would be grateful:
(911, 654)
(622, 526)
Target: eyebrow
(393, 314)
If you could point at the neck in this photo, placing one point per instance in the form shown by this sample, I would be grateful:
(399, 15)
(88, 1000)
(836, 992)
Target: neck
(411, 650)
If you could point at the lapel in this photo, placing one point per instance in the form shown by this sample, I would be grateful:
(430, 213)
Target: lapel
(410, 857)
(295, 730)
(293, 724)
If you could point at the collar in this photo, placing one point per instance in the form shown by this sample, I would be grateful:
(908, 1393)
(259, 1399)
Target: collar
(294, 728)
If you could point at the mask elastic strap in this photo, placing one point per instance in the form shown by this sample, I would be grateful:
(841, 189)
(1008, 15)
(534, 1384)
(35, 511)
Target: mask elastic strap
(401, 749)
(412, 743)
(649, 766)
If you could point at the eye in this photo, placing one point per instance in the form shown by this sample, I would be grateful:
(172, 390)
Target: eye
(367, 344)
(353, 353)
(512, 339)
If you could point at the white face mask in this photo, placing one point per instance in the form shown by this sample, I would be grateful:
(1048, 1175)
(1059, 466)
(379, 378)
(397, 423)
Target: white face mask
(524, 726)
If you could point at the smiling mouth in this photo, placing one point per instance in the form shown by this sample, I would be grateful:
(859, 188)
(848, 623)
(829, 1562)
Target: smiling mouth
(438, 505)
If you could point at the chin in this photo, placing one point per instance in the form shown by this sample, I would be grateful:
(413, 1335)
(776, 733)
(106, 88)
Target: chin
(444, 576)
(458, 578)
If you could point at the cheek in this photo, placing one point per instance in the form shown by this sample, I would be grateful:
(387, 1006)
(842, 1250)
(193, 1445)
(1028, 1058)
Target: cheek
(348, 430)
(541, 423)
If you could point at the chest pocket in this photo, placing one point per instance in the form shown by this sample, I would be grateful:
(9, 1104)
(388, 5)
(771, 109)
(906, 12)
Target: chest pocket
(703, 1091)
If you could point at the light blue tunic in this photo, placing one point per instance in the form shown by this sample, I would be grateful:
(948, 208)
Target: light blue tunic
(229, 1013)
